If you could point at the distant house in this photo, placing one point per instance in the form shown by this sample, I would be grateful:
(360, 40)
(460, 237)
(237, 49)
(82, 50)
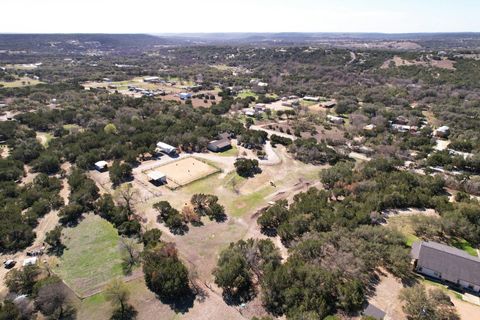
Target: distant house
(374, 312)
(447, 264)
(442, 132)
(259, 86)
(402, 128)
(260, 107)
(219, 145)
(401, 120)
(310, 98)
(329, 104)
(335, 119)
(30, 261)
(157, 177)
(101, 165)
(249, 112)
(185, 95)
(107, 80)
(166, 148)
(151, 79)
(369, 127)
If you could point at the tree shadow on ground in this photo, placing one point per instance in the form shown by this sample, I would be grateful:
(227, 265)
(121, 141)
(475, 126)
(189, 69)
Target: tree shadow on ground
(181, 304)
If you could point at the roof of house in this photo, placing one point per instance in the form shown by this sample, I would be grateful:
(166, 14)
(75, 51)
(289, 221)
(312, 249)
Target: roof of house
(220, 143)
(165, 146)
(101, 164)
(374, 312)
(156, 175)
(451, 262)
(30, 261)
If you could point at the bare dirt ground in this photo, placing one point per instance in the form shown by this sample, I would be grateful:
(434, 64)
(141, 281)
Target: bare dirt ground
(399, 62)
(386, 297)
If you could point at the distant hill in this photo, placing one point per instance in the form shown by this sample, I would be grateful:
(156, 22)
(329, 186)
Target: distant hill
(79, 42)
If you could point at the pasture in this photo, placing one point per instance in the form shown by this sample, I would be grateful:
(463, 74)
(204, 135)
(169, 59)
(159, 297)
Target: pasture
(92, 256)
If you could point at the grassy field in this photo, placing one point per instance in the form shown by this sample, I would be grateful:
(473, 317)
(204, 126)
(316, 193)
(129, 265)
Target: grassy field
(247, 93)
(92, 256)
(233, 152)
(22, 82)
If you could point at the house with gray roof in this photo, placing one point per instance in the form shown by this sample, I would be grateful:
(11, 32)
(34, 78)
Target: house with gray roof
(447, 264)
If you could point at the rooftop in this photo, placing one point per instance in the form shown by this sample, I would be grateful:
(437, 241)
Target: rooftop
(453, 263)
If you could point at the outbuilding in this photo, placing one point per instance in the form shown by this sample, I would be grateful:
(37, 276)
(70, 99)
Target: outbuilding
(310, 98)
(101, 165)
(157, 177)
(185, 95)
(219, 145)
(30, 261)
(166, 148)
(335, 119)
(442, 132)
(151, 79)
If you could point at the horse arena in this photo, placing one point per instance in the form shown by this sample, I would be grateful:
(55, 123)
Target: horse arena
(184, 171)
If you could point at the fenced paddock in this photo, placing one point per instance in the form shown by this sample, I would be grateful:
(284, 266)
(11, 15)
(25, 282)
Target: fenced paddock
(184, 171)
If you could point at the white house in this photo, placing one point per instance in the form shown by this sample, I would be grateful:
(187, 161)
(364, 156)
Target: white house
(310, 98)
(151, 79)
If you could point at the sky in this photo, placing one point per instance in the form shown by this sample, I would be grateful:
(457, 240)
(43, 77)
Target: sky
(180, 16)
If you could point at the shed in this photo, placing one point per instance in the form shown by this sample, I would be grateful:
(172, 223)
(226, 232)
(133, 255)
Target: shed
(329, 104)
(219, 145)
(30, 261)
(166, 148)
(157, 177)
(310, 98)
(335, 119)
(151, 79)
(101, 165)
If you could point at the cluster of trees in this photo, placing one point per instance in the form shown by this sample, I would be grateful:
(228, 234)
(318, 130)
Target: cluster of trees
(165, 273)
(252, 139)
(119, 215)
(325, 273)
(310, 151)
(451, 162)
(421, 304)
(120, 172)
(171, 217)
(46, 293)
(22, 206)
(276, 139)
(83, 193)
(242, 265)
(247, 167)
(200, 205)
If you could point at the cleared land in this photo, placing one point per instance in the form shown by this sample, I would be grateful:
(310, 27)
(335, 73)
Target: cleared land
(92, 256)
(21, 82)
(184, 171)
